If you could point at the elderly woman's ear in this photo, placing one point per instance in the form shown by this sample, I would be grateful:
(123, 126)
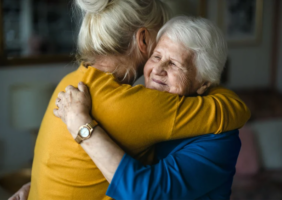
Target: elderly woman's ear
(203, 88)
(143, 39)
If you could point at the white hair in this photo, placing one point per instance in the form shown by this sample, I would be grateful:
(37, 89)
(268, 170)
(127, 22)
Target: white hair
(109, 27)
(204, 39)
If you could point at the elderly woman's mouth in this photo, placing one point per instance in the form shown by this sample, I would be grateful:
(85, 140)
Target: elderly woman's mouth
(159, 82)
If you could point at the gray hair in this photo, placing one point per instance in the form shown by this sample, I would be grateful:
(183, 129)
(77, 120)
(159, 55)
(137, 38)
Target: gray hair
(204, 39)
(109, 26)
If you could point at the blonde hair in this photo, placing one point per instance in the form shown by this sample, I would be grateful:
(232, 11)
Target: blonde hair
(204, 39)
(109, 27)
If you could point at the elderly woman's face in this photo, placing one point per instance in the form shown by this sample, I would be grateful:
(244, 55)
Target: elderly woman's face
(170, 69)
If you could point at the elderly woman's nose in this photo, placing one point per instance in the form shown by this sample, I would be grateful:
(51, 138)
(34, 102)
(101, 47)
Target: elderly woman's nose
(160, 69)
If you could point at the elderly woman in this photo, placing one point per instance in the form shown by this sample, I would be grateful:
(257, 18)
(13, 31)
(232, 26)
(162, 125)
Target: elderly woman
(116, 36)
(200, 167)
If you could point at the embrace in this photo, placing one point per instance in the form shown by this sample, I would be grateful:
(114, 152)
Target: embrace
(175, 138)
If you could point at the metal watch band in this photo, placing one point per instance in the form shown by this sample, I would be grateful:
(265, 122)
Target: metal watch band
(78, 139)
(92, 124)
(90, 127)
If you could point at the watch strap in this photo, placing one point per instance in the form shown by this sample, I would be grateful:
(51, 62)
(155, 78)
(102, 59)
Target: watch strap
(92, 124)
(78, 139)
(90, 127)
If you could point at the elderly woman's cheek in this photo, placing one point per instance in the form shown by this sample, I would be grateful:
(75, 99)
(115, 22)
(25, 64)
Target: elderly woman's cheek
(185, 83)
(175, 83)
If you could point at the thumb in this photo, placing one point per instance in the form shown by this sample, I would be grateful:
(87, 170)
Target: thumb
(82, 87)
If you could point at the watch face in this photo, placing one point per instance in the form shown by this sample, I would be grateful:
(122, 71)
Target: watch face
(84, 132)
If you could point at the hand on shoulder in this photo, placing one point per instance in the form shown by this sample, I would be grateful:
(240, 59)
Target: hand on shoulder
(73, 107)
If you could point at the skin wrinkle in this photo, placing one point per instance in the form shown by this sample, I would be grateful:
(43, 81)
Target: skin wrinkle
(171, 69)
(185, 81)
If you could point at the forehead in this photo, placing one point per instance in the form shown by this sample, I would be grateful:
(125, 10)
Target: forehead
(172, 48)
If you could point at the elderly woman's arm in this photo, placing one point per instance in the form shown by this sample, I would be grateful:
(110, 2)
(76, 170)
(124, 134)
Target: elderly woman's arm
(188, 172)
(208, 168)
(139, 115)
(73, 109)
(106, 154)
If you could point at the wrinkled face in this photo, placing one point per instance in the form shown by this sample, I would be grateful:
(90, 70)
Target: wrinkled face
(170, 69)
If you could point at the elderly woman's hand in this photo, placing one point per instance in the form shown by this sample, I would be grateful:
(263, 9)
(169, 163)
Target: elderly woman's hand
(22, 194)
(74, 107)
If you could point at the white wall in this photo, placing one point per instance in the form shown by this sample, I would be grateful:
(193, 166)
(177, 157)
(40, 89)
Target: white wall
(269, 137)
(16, 148)
(250, 65)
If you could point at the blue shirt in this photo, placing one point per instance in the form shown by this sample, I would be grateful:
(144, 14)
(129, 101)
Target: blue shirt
(195, 168)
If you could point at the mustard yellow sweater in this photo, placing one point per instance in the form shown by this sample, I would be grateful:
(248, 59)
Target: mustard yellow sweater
(135, 117)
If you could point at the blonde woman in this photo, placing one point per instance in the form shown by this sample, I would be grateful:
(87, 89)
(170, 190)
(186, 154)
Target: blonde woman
(117, 37)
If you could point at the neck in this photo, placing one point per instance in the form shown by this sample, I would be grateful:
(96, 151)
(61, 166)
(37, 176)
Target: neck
(117, 66)
(105, 63)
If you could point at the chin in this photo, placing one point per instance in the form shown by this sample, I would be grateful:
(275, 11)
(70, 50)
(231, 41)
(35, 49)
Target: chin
(151, 87)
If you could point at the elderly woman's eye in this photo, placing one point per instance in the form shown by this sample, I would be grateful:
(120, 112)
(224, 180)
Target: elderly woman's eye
(155, 58)
(172, 64)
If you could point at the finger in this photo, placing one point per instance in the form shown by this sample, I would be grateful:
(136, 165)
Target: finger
(56, 112)
(22, 196)
(83, 88)
(27, 185)
(70, 88)
(61, 95)
(14, 197)
(57, 102)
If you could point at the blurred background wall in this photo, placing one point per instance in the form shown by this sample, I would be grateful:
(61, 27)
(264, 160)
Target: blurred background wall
(16, 145)
(250, 65)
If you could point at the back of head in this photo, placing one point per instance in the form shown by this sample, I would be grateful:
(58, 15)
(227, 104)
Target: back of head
(204, 39)
(109, 26)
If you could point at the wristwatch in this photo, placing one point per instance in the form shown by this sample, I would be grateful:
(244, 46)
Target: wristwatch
(85, 131)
